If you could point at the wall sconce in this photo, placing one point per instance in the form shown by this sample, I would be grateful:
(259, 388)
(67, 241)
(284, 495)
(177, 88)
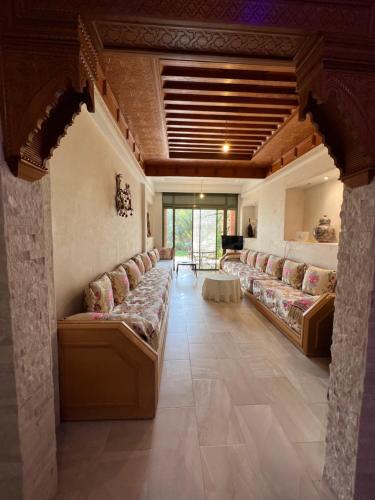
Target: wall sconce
(123, 198)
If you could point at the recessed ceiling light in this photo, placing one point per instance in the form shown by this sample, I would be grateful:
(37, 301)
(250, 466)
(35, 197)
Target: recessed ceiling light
(325, 178)
(226, 147)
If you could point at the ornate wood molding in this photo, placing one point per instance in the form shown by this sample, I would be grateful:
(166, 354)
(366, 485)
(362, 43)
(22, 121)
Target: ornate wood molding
(196, 168)
(47, 73)
(45, 80)
(336, 84)
(303, 147)
(197, 39)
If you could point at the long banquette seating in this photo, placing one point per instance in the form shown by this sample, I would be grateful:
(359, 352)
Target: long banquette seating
(296, 297)
(110, 356)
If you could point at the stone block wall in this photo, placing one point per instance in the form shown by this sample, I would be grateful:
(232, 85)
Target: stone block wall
(26, 290)
(350, 337)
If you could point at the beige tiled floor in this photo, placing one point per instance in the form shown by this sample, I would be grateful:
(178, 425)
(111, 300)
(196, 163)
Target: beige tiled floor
(241, 416)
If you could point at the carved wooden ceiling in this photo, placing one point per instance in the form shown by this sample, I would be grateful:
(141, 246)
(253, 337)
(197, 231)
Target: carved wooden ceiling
(190, 75)
(209, 104)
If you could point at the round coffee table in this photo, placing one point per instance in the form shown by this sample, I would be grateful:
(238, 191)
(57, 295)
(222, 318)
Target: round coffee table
(222, 288)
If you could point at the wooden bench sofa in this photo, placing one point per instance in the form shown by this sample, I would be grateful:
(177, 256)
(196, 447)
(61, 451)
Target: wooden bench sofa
(110, 361)
(297, 298)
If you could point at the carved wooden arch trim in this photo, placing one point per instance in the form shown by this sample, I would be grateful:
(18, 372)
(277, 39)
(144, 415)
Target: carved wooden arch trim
(336, 83)
(44, 84)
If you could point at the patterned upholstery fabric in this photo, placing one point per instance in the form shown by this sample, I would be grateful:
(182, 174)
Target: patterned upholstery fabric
(143, 309)
(243, 256)
(251, 258)
(156, 251)
(98, 295)
(318, 281)
(261, 261)
(275, 266)
(120, 284)
(138, 260)
(166, 253)
(293, 273)
(280, 297)
(146, 262)
(153, 258)
(246, 274)
(133, 272)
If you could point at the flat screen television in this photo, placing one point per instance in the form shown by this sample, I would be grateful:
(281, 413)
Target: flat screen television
(232, 242)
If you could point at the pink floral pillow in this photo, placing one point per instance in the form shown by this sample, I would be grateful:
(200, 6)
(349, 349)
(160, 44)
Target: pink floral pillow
(138, 260)
(166, 253)
(133, 272)
(153, 258)
(293, 273)
(243, 256)
(318, 281)
(120, 284)
(156, 251)
(275, 266)
(261, 262)
(251, 258)
(98, 295)
(146, 261)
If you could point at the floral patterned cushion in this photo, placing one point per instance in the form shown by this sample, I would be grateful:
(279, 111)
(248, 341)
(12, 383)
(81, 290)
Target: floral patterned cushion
(243, 256)
(120, 284)
(153, 258)
(318, 281)
(138, 260)
(166, 253)
(98, 295)
(293, 273)
(133, 272)
(251, 258)
(261, 261)
(156, 251)
(275, 266)
(146, 261)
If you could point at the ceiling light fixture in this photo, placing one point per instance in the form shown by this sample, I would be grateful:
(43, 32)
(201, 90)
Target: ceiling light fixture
(326, 178)
(201, 196)
(226, 146)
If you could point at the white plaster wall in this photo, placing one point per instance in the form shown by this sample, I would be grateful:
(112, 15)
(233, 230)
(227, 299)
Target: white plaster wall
(88, 235)
(156, 220)
(270, 197)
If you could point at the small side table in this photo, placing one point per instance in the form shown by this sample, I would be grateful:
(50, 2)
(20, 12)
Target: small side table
(222, 288)
(190, 263)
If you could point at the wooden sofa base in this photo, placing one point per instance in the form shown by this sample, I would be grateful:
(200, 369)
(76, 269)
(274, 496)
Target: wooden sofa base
(317, 323)
(107, 371)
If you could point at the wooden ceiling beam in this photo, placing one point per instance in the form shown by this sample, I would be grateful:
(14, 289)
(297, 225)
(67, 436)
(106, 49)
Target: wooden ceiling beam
(205, 143)
(243, 111)
(232, 100)
(213, 138)
(225, 168)
(224, 118)
(222, 75)
(211, 156)
(250, 90)
(204, 149)
(171, 124)
(223, 63)
(218, 134)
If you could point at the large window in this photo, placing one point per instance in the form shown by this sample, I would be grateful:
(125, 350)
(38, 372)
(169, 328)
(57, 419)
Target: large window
(194, 225)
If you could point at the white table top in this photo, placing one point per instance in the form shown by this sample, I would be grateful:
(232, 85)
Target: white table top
(222, 277)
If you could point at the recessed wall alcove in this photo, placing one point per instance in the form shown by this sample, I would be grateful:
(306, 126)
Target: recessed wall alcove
(307, 202)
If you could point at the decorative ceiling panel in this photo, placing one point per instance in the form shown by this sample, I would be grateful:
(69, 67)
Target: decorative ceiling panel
(134, 79)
